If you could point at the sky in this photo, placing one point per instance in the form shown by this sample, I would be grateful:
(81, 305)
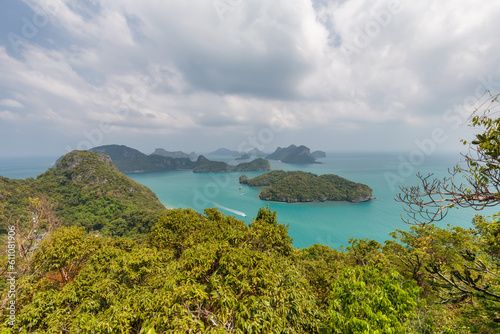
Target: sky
(346, 75)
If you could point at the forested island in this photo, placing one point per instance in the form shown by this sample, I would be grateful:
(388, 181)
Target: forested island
(129, 160)
(97, 252)
(258, 164)
(298, 186)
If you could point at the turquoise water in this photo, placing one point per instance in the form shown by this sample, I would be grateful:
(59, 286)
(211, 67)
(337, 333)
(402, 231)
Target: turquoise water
(331, 223)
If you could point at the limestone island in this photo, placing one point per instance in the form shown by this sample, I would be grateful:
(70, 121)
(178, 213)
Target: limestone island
(298, 186)
(294, 155)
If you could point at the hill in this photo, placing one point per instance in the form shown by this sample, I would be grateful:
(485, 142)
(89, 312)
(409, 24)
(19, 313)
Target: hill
(300, 186)
(84, 189)
(219, 166)
(293, 154)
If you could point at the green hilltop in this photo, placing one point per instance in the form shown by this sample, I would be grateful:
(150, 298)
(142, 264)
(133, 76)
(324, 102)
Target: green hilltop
(84, 189)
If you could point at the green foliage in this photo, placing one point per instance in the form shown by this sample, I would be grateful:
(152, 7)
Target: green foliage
(62, 255)
(212, 273)
(367, 300)
(426, 245)
(268, 235)
(300, 186)
(455, 267)
(267, 179)
(322, 266)
(199, 273)
(365, 252)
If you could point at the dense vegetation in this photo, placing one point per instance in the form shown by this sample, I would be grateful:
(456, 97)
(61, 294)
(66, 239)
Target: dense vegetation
(212, 273)
(258, 164)
(298, 186)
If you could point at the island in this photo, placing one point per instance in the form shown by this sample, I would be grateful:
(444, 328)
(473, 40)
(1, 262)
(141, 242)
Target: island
(293, 154)
(298, 186)
(129, 160)
(250, 154)
(219, 166)
(175, 154)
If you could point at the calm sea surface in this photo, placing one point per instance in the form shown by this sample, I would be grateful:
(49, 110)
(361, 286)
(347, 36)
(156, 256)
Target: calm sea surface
(330, 223)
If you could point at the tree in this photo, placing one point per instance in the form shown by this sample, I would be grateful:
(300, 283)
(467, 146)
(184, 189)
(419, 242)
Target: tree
(481, 172)
(366, 300)
(475, 278)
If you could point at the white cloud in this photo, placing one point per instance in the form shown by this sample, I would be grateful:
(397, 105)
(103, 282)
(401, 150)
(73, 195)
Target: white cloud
(228, 73)
(8, 115)
(10, 103)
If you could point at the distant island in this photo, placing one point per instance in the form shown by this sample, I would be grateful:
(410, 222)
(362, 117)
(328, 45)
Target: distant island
(298, 186)
(129, 160)
(293, 154)
(219, 166)
(254, 153)
(175, 154)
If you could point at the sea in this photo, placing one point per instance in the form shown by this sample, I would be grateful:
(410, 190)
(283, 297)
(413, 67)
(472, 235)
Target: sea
(327, 223)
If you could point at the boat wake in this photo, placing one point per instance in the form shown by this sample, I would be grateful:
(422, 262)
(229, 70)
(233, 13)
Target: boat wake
(239, 213)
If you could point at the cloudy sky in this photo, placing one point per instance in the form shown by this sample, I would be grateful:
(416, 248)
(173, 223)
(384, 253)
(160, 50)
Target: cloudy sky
(364, 75)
